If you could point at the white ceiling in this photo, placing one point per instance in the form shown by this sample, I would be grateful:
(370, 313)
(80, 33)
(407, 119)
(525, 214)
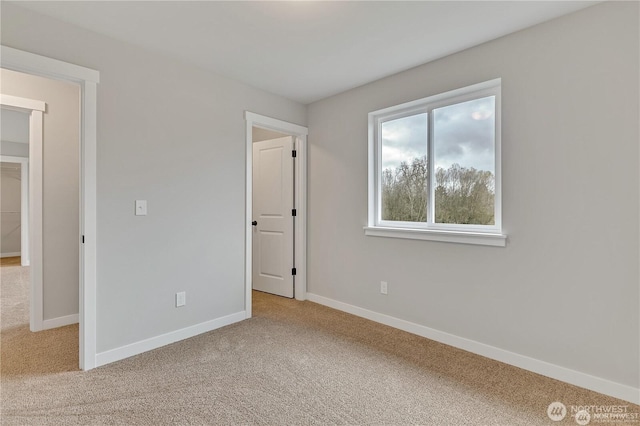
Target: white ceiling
(306, 50)
(14, 126)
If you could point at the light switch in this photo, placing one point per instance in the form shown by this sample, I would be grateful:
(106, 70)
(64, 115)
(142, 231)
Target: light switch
(141, 207)
(181, 299)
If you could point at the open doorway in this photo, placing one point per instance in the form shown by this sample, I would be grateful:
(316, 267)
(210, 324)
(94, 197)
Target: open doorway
(14, 214)
(22, 122)
(14, 194)
(22, 306)
(287, 146)
(11, 212)
(86, 80)
(41, 187)
(54, 187)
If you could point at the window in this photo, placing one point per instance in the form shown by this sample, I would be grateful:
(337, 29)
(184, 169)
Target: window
(434, 168)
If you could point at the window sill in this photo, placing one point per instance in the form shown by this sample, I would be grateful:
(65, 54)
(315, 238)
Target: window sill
(477, 238)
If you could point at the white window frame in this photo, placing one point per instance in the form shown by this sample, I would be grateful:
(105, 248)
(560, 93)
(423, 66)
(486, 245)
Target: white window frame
(492, 235)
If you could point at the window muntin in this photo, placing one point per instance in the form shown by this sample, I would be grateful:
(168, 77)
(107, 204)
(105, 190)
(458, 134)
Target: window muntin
(436, 162)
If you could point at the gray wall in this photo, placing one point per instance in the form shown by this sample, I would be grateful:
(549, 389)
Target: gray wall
(10, 204)
(61, 183)
(174, 135)
(259, 134)
(14, 126)
(14, 149)
(565, 288)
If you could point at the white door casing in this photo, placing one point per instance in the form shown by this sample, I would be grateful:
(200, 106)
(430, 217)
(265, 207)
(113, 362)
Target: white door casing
(273, 247)
(300, 134)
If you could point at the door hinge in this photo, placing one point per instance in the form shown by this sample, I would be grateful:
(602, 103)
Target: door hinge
(293, 212)
(294, 153)
(293, 271)
(83, 239)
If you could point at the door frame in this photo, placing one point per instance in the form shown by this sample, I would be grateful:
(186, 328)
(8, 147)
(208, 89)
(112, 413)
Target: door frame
(300, 176)
(87, 79)
(24, 203)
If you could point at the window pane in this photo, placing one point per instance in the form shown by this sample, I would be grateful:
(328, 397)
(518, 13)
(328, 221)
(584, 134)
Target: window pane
(404, 169)
(464, 159)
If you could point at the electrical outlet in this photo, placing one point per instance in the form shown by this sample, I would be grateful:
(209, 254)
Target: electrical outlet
(383, 287)
(181, 299)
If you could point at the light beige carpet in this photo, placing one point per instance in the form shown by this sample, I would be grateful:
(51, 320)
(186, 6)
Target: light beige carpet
(294, 363)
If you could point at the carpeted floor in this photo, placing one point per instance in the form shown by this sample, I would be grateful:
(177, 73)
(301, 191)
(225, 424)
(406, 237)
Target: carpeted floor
(294, 363)
(10, 261)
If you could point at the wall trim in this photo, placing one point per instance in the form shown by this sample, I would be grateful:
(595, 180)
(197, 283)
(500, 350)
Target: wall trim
(544, 368)
(60, 321)
(12, 254)
(22, 104)
(151, 343)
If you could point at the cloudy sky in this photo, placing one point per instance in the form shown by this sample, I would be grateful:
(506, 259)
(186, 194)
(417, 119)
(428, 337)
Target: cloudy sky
(463, 134)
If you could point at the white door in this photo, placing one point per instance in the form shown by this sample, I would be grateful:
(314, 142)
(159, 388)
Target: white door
(272, 216)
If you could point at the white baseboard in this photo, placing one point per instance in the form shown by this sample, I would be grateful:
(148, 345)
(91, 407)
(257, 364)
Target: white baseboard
(15, 254)
(136, 348)
(544, 368)
(59, 322)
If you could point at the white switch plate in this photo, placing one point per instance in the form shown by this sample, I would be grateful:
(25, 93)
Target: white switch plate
(141, 207)
(181, 299)
(383, 287)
